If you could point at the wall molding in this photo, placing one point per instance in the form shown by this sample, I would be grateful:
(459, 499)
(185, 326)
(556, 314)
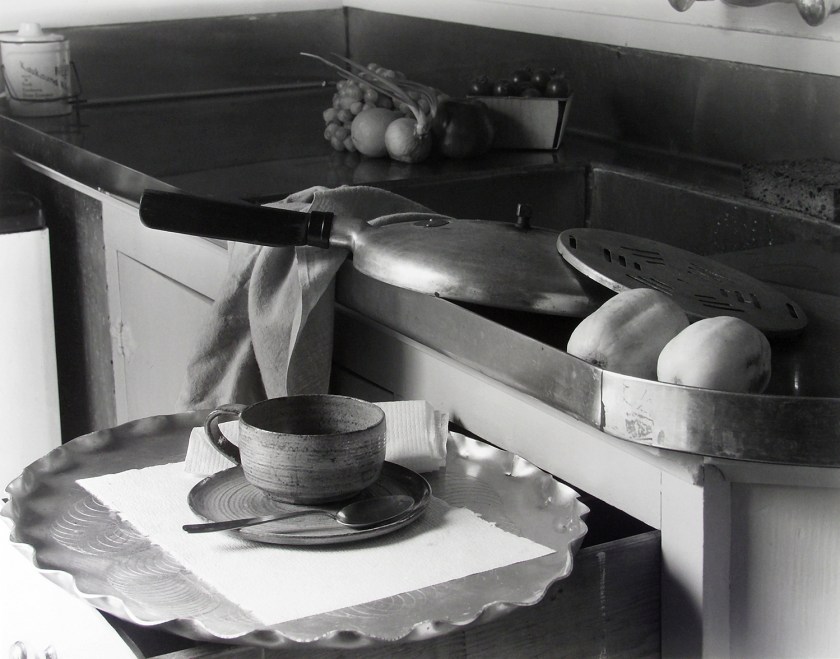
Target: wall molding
(772, 35)
(60, 13)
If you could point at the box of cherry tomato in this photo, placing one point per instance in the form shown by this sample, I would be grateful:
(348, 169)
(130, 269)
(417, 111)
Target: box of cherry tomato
(527, 123)
(529, 110)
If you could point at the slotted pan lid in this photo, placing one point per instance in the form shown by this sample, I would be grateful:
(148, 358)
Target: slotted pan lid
(702, 286)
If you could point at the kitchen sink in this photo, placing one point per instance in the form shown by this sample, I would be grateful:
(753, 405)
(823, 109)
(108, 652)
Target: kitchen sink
(791, 252)
(797, 254)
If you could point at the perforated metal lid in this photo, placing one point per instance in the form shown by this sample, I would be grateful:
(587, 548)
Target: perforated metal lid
(700, 285)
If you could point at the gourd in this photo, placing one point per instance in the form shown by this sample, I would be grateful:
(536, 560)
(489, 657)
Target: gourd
(723, 353)
(628, 331)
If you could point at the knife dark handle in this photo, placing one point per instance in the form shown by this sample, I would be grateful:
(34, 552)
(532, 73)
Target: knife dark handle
(225, 220)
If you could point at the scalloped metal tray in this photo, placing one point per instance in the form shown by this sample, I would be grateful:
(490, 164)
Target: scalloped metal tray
(90, 552)
(794, 422)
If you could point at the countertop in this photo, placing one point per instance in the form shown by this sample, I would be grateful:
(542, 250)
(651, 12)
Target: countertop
(261, 145)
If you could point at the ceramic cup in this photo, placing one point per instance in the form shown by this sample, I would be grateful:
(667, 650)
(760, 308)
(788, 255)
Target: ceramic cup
(305, 449)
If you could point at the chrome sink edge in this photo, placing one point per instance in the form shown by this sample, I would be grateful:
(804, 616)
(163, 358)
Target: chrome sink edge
(778, 429)
(525, 364)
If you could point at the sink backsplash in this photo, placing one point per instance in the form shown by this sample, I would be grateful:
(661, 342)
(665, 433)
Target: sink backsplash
(135, 60)
(717, 110)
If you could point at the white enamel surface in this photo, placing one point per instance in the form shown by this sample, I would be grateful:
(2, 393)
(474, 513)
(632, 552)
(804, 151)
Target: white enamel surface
(772, 35)
(28, 375)
(60, 13)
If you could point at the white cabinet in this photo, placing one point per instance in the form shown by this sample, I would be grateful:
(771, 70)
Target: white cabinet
(749, 550)
(28, 374)
(160, 288)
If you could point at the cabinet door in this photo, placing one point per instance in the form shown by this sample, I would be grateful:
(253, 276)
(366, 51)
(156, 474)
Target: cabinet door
(160, 288)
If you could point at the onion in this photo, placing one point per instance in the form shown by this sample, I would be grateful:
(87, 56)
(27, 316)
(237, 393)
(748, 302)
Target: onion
(405, 142)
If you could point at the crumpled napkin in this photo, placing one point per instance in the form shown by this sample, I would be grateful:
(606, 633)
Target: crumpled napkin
(415, 437)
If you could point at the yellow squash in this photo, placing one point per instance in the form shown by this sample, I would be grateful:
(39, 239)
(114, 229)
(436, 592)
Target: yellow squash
(723, 353)
(628, 331)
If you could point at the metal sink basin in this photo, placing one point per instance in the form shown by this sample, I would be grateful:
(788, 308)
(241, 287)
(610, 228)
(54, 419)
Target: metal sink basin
(799, 255)
(796, 421)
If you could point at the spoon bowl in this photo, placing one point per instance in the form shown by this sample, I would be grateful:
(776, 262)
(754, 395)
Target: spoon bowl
(363, 514)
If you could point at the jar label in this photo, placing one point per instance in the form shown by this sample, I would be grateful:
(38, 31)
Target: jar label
(37, 75)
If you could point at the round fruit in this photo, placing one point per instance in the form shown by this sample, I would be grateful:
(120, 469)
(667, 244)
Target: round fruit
(521, 76)
(723, 353)
(368, 131)
(558, 87)
(541, 78)
(627, 332)
(530, 90)
(481, 86)
(504, 88)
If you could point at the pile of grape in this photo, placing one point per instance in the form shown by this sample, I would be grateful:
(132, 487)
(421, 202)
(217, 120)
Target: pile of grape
(351, 98)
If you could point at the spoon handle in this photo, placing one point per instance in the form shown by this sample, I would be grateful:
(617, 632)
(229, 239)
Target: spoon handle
(231, 524)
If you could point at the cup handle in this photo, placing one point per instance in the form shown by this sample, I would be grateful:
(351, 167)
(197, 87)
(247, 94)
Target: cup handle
(217, 440)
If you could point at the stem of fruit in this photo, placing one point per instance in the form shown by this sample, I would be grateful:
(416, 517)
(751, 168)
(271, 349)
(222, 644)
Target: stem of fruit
(387, 87)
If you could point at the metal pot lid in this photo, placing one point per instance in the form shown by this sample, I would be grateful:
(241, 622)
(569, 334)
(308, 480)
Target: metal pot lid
(476, 261)
(702, 286)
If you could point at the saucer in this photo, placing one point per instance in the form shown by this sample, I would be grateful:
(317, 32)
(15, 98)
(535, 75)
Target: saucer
(227, 495)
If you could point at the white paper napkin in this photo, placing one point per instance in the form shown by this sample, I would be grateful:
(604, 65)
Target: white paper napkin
(415, 437)
(280, 583)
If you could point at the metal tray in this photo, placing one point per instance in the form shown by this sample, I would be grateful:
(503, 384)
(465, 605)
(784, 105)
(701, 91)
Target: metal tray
(796, 421)
(90, 552)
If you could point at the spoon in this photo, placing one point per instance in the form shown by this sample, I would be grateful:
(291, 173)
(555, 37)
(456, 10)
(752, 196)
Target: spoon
(364, 514)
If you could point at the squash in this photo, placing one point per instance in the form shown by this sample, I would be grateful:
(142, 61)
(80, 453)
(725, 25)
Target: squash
(628, 331)
(723, 353)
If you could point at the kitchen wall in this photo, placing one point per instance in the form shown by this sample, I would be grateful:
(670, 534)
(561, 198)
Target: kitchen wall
(716, 110)
(140, 60)
(771, 35)
(718, 82)
(63, 13)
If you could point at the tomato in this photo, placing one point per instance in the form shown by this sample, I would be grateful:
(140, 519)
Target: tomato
(540, 78)
(521, 76)
(481, 86)
(504, 88)
(558, 87)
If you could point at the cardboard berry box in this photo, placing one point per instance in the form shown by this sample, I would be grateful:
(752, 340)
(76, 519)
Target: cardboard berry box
(527, 122)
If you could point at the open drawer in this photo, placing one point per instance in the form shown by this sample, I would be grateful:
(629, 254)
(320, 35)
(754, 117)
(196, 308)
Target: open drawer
(608, 606)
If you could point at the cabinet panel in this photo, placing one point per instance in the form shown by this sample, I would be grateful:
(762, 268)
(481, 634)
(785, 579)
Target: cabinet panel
(160, 288)
(161, 319)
